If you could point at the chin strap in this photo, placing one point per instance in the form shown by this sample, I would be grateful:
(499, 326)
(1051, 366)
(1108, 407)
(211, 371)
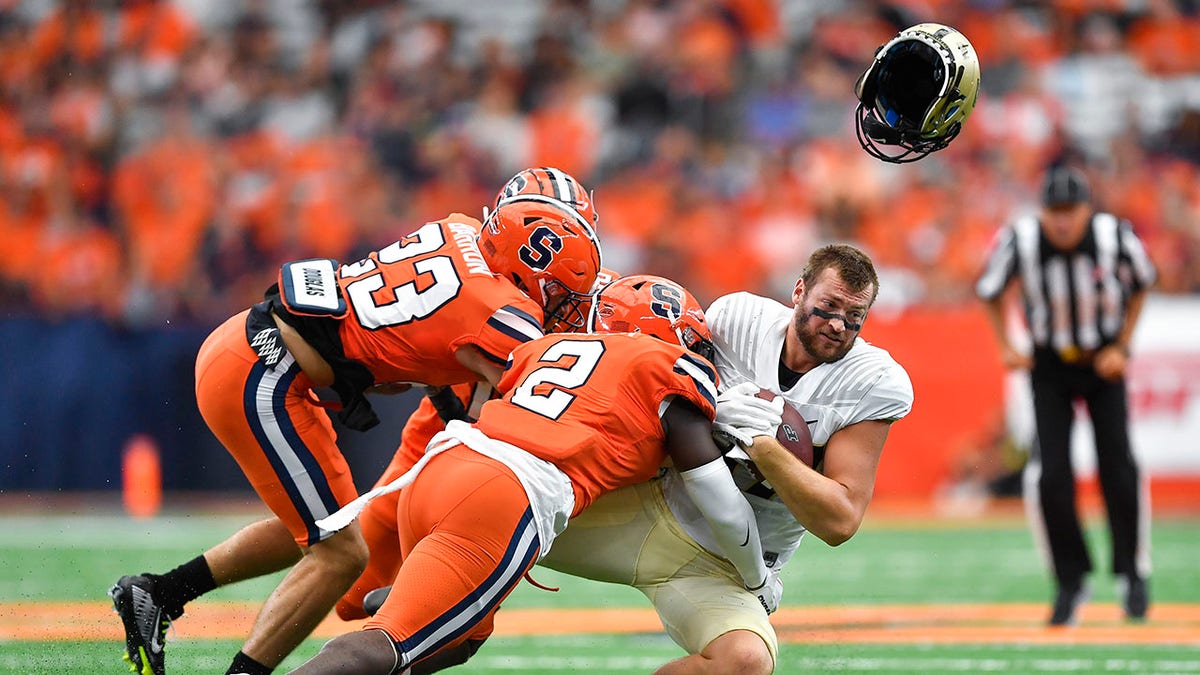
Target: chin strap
(871, 132)
(879, 131)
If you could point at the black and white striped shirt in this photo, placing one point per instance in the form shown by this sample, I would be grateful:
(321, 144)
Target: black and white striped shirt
(1073, 299)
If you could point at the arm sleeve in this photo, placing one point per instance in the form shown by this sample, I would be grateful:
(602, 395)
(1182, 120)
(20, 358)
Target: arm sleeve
(713, 491)
(447, 403)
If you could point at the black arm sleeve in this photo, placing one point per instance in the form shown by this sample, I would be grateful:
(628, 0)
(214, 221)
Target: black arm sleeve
(448, 405)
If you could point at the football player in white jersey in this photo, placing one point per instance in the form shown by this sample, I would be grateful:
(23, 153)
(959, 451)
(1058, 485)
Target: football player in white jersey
(653, 538)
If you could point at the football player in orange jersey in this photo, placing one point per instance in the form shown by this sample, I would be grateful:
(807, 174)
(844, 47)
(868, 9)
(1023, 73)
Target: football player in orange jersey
(444, 305)
(378, 520)
(582, 415)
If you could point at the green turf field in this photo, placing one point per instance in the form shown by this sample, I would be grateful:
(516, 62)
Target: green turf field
(77, 556)
(641, 654)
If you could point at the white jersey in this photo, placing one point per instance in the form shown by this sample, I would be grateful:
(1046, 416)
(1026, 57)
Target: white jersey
(867, 384)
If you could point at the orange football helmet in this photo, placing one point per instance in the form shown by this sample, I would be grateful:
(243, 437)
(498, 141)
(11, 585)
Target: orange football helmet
(550, 182)
(543, 247)
(657, 306)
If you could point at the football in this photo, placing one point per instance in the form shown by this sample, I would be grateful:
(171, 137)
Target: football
(793, 432)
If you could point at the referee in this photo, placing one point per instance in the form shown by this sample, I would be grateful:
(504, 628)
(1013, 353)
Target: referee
(1083, 277)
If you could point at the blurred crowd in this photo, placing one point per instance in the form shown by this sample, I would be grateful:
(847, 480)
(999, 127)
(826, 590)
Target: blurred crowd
(160, 158)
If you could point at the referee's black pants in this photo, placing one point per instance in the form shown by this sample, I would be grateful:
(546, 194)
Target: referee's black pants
(1056, 385)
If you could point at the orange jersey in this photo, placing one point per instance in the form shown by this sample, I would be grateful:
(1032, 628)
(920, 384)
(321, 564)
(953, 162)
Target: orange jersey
(591, 405)
(425, 422)
(415, 302)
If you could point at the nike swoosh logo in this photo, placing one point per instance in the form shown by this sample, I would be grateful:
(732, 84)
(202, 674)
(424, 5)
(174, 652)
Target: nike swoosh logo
(156, 647)
(744, 543)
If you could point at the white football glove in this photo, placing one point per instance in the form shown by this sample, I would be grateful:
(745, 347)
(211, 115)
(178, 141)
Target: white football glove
(771, 592)
(741, 415)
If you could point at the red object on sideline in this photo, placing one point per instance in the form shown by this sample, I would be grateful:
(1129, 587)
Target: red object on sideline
(141, 477)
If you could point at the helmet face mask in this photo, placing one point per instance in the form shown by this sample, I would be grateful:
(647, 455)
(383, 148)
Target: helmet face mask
(917, 93)
(654, 306)
(566, 310)
(573, 314)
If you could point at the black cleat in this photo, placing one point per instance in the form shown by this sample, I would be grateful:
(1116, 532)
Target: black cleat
(374, 600)
(146, 624)
(1135, 598)
(1067, 603)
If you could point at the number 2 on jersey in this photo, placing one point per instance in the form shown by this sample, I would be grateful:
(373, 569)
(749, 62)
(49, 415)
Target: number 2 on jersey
(563, 376)
(410, 304)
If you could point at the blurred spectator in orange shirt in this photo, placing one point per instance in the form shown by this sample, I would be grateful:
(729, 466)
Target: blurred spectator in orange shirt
(18, 63)
(20, 234)
(1165, 40)
(11, 133)
(562, 132)
(251, 202)
(164, 197)
(155, 29)
(706, 46)
(80, 269)
(74, 32)
(319, 186)
(81, 110)
(758, 20)
(452, 186)
(151, 39)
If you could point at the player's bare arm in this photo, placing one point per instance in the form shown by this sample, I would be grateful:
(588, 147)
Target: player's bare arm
(311, 362)
(830, 504)
(472, 358)
(689, 436)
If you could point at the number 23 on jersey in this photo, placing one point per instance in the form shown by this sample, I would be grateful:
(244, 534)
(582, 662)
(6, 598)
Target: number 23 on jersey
(439, 282)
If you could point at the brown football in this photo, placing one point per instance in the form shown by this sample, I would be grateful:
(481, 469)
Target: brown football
(793, 432)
